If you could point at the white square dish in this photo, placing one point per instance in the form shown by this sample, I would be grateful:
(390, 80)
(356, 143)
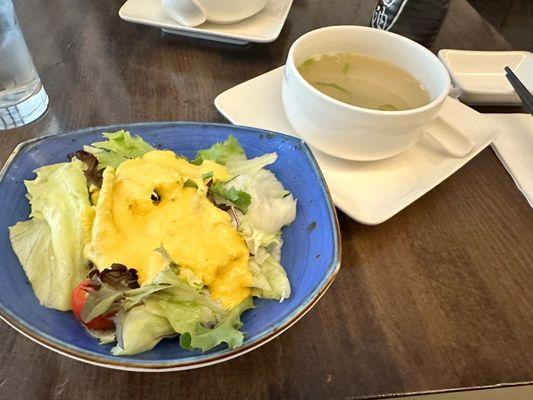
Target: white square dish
(480, 75)
(369, 192)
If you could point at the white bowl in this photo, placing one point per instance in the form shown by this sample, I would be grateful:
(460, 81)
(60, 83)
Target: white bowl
(352, 132)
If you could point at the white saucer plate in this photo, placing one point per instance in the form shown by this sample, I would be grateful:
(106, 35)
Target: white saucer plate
(263, 27)
(369, 192)
(480, 76)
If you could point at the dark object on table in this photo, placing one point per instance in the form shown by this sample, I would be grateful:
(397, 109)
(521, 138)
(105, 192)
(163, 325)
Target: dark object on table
(520, 89)
(419, 20)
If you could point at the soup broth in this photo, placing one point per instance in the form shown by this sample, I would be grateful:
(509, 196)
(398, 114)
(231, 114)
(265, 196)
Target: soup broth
(364, 81)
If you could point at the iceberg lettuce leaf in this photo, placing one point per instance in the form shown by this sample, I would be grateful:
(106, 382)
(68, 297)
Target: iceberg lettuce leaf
(50, 245)
(271, 206)
(270, 280)
(256, 239)
(239, 167)
(140, 329)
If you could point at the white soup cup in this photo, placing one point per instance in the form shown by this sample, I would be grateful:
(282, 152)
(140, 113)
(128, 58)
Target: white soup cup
(351, 132)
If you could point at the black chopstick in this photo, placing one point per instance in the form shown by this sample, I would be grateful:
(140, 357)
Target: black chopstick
(520, 89)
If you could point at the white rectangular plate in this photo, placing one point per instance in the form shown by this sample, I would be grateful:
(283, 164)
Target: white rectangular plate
(369, 192)
(263, 27)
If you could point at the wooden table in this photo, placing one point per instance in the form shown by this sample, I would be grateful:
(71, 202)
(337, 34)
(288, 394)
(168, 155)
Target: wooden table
(438, 297)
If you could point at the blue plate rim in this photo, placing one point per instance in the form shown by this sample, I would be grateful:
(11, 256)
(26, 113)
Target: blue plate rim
(197, 361)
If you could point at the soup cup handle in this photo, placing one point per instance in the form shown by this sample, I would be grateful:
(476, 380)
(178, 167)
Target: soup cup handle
(455, 91)
(454, 142)
(186, 12)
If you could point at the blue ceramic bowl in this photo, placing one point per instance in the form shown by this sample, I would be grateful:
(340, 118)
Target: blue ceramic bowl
(310, 251)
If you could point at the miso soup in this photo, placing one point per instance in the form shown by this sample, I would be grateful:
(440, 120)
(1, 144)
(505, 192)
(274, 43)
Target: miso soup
(364, 81)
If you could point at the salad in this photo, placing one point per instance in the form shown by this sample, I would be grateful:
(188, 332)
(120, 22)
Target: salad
(143, 244)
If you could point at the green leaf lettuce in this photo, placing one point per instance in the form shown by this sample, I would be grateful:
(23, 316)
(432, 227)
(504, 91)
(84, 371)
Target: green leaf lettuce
(119, 147)
(226, 331)
(222, 152)
(168, 306)
(239, 198)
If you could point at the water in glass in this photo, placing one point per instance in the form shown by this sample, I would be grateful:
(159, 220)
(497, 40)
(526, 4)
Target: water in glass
(22, 97)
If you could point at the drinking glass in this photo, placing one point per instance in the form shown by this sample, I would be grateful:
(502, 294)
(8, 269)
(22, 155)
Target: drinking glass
(22, 96)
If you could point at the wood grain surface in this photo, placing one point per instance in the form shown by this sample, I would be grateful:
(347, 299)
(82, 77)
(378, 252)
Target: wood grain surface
(438, 297)
(512, 18)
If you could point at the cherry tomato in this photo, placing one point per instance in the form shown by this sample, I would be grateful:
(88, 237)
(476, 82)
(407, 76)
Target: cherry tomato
(79, 297)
